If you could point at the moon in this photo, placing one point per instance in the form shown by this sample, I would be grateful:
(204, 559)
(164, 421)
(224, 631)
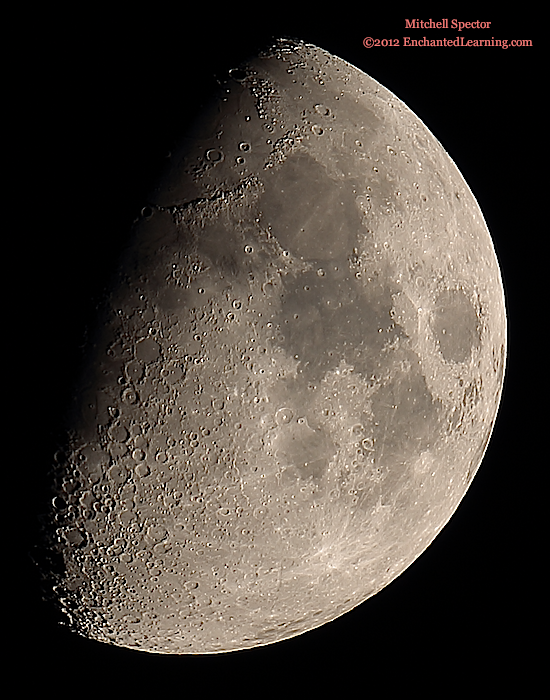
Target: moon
(293, 378)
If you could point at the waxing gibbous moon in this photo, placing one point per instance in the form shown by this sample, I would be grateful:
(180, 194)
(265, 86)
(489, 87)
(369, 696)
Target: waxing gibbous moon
(293, 378)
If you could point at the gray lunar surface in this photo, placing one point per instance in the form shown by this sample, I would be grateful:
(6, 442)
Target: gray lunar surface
(294, 377)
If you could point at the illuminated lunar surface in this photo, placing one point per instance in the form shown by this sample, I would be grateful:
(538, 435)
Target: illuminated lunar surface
(293, 379)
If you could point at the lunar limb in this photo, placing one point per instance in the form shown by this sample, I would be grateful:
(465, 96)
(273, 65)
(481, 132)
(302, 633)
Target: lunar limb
(293, 379)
